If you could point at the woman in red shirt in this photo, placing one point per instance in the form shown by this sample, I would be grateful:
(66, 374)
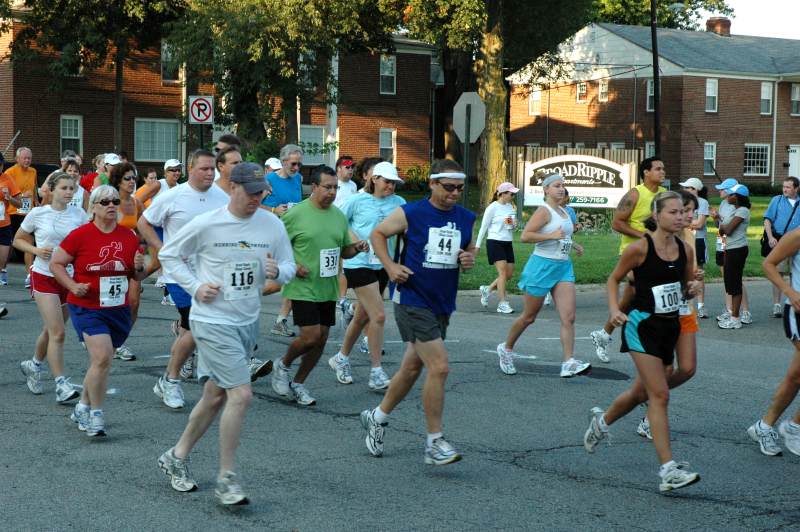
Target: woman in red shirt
(105, 257)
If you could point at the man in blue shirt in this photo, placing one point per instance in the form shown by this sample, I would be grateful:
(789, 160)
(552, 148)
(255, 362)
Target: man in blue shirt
(781, 217)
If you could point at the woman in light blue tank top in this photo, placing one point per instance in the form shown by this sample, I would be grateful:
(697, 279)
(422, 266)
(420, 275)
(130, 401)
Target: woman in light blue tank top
(549, 269)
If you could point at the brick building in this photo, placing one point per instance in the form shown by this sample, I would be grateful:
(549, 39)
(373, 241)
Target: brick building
(384, 108)
(728, 102)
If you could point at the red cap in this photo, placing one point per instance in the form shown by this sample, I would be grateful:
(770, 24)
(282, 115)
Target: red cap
(346, 162)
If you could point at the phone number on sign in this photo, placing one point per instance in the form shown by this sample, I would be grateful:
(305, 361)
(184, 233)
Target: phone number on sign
(587, 199)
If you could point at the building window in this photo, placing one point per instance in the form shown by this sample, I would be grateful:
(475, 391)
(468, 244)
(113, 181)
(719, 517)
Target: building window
(582, 92)
(766, 98)
(535, 102)
(709, 158)
(796, 98)
(712, 90)
(170, 69)
(387, 144)
(72, 133)
(155, 139)
(388, 74)
(649, 149)
(602, 145)
(532, 144)
(651, 95)
(564, 145)
(580, 145)
(312, 140)
(602, 90)
(756, 160)
(617, 145)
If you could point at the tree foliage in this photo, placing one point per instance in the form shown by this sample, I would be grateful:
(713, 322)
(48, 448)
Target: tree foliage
(637, 12)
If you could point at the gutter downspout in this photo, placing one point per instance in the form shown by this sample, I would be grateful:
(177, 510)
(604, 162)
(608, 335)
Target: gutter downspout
(635, 92)
(774, 129)
(333, 113)
(547, 122)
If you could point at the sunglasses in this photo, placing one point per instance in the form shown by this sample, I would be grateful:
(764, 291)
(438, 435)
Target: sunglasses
(128, 178)
(107, 202)
(349, 167)
(295, 164)
(173, 169)
(449, 187)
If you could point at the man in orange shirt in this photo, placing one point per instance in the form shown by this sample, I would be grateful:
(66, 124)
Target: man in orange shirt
(9, 197)
(25, 178)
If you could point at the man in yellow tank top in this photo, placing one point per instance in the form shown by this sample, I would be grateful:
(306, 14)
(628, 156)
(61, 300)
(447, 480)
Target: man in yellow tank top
(633, 209)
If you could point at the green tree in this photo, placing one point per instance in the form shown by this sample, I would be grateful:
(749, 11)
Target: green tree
(637, 12)
(72, 34)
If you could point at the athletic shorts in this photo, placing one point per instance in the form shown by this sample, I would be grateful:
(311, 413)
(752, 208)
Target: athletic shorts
(115, 322)
(689, 323)
(418, 324)
(700, 251)
(358, 277)
(180, 297)
(159, 231)
(6, 235)
(500, 250)
(542, 274)
(223, 352)
(653, 335)
(790, 323)
(184, 312)
(44, 284)
(720, 258)
(734, 269)
(308, 313)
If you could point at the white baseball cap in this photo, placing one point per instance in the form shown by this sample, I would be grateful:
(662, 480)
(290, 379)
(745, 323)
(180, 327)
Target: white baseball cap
(692, 182)
(273, 163)
(387, 171)
(172, 163)
(112, 159)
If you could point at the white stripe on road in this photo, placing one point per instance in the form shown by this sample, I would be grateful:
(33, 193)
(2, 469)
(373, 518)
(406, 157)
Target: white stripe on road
(110, 391)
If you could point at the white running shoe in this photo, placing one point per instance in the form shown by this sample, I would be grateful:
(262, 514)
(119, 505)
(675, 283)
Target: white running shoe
(593, 434)
(730, 323)
(301, 395)
(81, 417)
(791, 437)
(188, 368)
(28, 281)
(170, 392)
(441, 452)
(724, 316)
(573, 367)
(548, 300)
(777, 310)
(363, 345)
(601, 340)
(66, 392)
(344, 373)
(177, 469)
(678, 476)
(643, 429)
(766, 438)
(229, 492)
(97, 424)
(33, 376)
(701, 312)
(124, 353)
(485, 293)
(504, 308)
(375, 432)
(506, 359)
(280, 378)
(167, 301)
(378, 379)
(746, 317)
(281, 328)
(258, 368)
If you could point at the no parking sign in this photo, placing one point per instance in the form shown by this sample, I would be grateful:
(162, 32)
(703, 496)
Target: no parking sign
(201, 109)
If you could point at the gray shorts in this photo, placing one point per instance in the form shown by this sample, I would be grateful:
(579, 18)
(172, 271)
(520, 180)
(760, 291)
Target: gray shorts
(417, 324)
(223, 352)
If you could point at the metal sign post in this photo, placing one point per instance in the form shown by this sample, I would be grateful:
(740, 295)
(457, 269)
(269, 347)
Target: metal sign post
(466, 154)
(201, 112)
(469, 119)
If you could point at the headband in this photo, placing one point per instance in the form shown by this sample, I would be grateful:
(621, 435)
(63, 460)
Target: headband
(552, 178)
(454, 175)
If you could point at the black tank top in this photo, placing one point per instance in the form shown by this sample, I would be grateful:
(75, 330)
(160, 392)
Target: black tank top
(658, 282)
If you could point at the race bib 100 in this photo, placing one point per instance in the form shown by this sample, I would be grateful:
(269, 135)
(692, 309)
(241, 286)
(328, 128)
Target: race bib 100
(329, 262)
(113, 290)
(667, 298)
(443, 246)
(240, 279)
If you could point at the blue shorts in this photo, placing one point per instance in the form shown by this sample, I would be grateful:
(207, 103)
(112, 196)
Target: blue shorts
(115, 322)
(542, 274)
(159, 231)
(651, 334)
(179, 296)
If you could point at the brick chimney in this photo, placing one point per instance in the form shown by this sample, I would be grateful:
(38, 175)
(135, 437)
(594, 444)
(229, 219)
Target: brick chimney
(719, 25)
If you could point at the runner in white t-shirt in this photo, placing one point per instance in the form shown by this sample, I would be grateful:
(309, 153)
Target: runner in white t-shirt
(40, 233)
(345, 167)
(232, 251)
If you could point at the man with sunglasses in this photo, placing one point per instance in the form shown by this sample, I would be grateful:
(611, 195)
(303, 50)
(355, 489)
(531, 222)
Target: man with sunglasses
(345, 168)
(172, 210)
(287, 190)
(437, 238)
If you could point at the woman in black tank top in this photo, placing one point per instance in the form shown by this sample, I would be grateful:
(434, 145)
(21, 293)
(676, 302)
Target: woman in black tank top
(662, 269)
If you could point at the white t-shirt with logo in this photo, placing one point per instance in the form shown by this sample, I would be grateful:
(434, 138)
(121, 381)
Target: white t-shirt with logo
(346, 189)
(50, 227)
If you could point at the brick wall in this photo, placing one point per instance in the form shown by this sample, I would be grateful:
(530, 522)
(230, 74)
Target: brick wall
(6, 102)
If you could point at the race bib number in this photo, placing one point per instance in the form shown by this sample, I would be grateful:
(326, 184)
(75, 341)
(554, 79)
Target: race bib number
(25, 208)
(373, 258)
(329, 262)
(240, 278)
(113, 290)
(667, 298)
(443, 245)
(564, 248)
(70, 270)
(2, 210)
(720, 244)
(684, 309)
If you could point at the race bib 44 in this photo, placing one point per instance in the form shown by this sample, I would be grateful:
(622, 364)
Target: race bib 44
(443, 245)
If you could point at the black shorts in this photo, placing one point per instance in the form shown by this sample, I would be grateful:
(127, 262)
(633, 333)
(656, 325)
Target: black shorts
(734, 269)
(417, 324)
(652, 335)
(500, 250)
(358, 277)
(790, 323)
(700, 251)
(720, 258)
(6, 236)
(184, 312)
(308, 313)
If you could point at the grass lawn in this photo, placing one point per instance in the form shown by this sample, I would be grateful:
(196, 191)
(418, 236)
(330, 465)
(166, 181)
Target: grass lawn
(601, 250)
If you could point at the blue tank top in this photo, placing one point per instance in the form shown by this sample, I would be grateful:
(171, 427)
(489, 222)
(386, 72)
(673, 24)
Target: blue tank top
(430, 249)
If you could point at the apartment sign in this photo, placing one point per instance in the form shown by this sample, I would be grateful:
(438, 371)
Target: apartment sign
(591, 181)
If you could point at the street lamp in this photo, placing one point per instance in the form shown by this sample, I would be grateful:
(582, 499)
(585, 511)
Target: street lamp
(675, 7)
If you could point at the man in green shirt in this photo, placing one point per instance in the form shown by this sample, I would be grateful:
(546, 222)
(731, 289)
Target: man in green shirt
(320, 240)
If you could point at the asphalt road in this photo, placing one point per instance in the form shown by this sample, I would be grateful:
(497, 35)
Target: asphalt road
(524, 465)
